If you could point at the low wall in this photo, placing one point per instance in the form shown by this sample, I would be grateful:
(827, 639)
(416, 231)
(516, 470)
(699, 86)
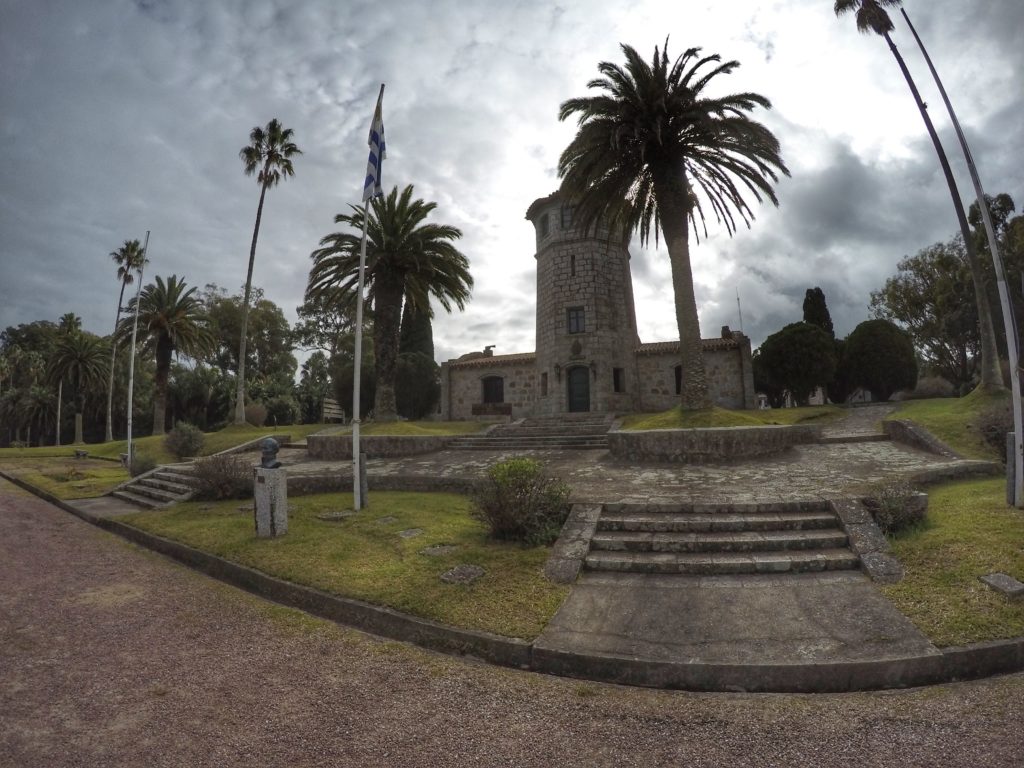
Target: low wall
(903, 431)
(708, 445)
(324, 447)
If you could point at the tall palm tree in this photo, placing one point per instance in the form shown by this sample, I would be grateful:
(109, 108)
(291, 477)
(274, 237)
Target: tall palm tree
(81, 359)
(171, 320)
(406, 258)
(269, 157)
(653, 150)
(69, 323)
(130, 258)
(871, 17)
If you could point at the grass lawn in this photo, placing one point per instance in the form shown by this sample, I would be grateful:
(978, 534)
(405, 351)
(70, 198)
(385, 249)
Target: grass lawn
(67, 478)
(365, 557)
(969, 532)
(950, 419)
(676, 418)
(415, 428)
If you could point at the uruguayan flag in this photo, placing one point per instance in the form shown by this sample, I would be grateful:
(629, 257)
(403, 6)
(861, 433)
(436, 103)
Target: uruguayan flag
(371, 187)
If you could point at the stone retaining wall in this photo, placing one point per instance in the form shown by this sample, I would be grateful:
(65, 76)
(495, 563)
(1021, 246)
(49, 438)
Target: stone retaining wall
(708, 445)
(909, 433)
(325, 447)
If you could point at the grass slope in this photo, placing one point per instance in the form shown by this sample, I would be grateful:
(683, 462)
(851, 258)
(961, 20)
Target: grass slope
(952, 419)
(365, 557)
(969, 532)
(677, 418)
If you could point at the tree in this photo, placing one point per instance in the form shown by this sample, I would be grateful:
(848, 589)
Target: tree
(269, 157)
(81, 359)
(872, 17)
(172, 320)
(652, 151)
(931, 297)
(880, 357)
(797, 359)
(406, 259)
(816, 310)
(69, 323)
(130, 258)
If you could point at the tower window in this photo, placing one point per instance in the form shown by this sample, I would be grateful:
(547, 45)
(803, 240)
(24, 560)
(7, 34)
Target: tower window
(544, 384)
(576, 319)
(566, 216)
(572, 265)
(494, 389)
(544, 226)
(679, 379)
(619, 379)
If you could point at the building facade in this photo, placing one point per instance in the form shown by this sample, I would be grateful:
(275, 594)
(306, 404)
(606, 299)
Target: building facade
(588, 355)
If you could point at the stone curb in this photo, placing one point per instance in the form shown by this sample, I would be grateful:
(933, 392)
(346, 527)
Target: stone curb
(945, 666)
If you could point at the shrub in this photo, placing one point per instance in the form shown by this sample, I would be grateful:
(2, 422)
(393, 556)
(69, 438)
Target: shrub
(880, 358)
(141, 463)
(895, 506)
(184, 440)
(932, 386)
(256, 414)
(992, 424)
(226, 476)
(518, 502)
(282, 410)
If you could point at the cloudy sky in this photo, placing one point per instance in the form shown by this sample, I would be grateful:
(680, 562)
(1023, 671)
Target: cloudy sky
(118, 117)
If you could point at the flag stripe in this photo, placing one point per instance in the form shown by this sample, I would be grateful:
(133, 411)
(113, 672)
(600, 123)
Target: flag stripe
(374, 164)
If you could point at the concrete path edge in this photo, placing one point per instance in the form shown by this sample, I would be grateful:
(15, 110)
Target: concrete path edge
(951, 665)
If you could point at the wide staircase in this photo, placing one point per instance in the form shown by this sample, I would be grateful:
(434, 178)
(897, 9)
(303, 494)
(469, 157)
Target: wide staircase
(708, 539)
(579, 431)
(166, 485)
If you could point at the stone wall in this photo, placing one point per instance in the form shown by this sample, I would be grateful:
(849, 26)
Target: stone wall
(711, 445)
(727, 366)
(462, 385)
(332, 447)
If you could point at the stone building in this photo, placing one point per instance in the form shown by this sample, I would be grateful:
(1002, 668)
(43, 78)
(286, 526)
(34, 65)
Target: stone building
(588, 355)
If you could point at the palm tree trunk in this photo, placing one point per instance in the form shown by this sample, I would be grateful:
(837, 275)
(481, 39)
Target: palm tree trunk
(240, 391)
(60, 396)
(672, 200)
(387, 318)
(163, 368)
(991, 376)
(108, 433)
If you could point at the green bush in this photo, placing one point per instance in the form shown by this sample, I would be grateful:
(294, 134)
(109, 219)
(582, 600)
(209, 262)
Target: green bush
(518, 502)
(895, 506)
(141, 463)
(880, 358)
(282, 410)
(226, 476)
(256, 414)
(184, 440)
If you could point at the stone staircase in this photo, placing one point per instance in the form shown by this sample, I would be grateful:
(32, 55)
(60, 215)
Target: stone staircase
(159, 488)
(709, 540)
(581, 431)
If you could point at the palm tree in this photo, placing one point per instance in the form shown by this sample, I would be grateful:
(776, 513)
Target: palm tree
(80, 358)
(172, 320)
(647, 144)
(405, 259)
(69, 323)
(872, 17)
(269, 157)
(130, 258)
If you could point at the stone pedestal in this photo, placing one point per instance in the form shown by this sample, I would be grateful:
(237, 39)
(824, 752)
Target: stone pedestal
(271, 502)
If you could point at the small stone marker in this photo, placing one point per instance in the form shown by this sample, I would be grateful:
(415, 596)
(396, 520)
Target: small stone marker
(411, 533)
(439, 550)
(462, 574)
(335, 517)
(386, 520)
(271, 507)
(1008, 585)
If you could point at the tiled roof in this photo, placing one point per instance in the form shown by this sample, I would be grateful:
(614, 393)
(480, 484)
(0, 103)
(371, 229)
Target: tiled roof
(495, 360)
(665, 347)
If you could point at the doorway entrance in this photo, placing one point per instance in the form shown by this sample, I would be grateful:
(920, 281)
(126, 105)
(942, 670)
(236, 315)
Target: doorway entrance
(579, 389)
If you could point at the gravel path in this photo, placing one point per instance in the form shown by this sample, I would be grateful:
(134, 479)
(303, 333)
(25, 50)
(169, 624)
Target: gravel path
(113, 656)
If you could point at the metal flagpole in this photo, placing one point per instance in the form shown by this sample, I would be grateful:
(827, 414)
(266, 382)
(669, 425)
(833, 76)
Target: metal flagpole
(1009, 326)
(371, 188)
(131, 360)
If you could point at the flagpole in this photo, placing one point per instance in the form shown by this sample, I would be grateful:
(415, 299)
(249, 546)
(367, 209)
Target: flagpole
(371, 188)
(131, 363)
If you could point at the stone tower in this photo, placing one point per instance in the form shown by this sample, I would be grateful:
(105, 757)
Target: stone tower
(586, 320)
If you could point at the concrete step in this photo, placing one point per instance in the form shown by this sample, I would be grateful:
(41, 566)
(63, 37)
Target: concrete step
(498, 444)
(137, 500)
(715, 508)
(165, 484)
(704, 564)
(693, 522)
(179, 477)
(727, 541)
(159, 495)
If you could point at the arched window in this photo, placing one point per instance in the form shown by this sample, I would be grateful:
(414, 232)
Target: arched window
(494, 389)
